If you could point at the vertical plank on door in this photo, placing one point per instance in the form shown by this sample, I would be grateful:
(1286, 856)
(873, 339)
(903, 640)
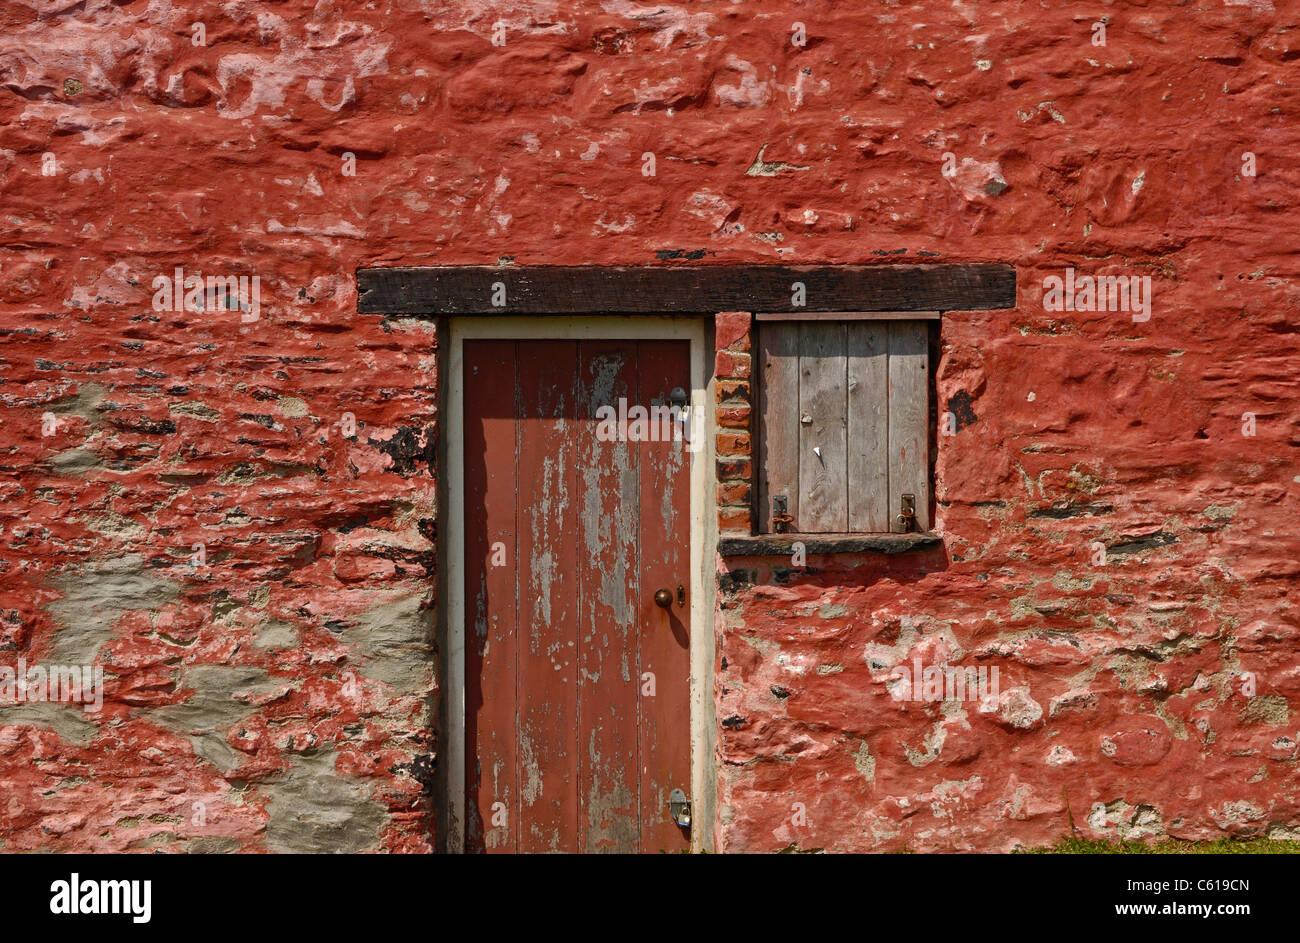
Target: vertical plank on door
(823, 484)
(868, 429)
(778, 442)
(909, 414)
(664, 636)
(608, 511)
(548, 616)
(491, 487)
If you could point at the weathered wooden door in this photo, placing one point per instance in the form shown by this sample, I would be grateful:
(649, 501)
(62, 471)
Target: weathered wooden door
(577, 709)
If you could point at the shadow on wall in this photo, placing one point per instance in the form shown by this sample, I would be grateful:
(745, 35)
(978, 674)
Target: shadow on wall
(754, 577)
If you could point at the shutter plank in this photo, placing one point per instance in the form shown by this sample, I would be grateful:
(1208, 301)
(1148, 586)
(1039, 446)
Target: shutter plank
(823, 375)
(868, 426)
(778, 458)
(909, 434)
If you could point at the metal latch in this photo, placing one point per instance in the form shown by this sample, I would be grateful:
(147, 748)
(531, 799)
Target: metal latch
(679, 808)
(907, 516)
(781, 519)
(678, 402)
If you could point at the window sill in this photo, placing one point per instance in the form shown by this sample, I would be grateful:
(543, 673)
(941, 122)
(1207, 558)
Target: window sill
(782, 545)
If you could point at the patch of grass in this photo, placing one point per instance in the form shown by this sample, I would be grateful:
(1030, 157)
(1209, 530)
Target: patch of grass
(1171, 846)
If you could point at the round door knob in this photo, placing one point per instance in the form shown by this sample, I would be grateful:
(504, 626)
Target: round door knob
(663, 598)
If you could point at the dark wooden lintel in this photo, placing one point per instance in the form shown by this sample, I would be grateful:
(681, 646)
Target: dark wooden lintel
(697, 289)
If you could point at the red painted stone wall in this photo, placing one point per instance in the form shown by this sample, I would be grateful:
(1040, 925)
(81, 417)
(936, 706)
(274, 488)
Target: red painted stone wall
(275, 696)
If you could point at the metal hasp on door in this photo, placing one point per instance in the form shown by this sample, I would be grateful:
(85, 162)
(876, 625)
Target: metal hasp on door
(577, 554)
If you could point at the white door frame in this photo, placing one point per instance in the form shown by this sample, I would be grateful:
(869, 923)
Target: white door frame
(703, 541)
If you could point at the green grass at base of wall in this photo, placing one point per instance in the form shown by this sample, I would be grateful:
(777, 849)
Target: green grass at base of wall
(1220, 846)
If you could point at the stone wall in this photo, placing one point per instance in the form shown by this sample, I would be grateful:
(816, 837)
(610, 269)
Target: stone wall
(233, 511)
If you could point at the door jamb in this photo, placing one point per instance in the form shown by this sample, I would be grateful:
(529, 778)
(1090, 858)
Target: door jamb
(451, 542)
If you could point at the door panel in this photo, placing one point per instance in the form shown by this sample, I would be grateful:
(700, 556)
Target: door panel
(564, 751)
(548, 624)
(609, 704)
(665, 735)
(490, 598)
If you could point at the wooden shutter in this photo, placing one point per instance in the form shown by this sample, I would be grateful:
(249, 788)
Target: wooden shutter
(844, 433)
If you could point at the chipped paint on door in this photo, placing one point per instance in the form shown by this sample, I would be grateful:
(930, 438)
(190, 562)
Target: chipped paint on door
(577, 683)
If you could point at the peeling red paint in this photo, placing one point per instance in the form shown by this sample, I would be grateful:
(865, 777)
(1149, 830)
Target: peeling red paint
(172, 429)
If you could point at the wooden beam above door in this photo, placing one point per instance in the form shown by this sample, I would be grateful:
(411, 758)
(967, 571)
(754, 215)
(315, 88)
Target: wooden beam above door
(696, 289)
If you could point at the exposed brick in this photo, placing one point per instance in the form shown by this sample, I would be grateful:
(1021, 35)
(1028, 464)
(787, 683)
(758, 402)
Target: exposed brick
(731, 390)
(734, 520)
(730, 364)
(733, 443)
(733, 417)
(730, 468)
(732, 331)
(734, 493)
